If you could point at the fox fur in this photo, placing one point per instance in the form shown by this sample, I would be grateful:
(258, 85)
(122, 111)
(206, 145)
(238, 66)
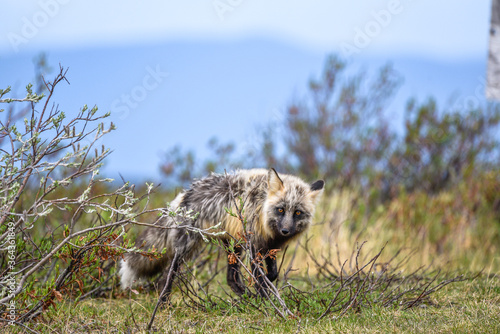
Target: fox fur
(278, 208)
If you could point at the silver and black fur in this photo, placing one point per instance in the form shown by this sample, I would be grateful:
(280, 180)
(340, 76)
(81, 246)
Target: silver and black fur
(278, 208)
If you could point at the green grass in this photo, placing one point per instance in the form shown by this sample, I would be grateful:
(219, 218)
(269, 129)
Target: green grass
(471, 306)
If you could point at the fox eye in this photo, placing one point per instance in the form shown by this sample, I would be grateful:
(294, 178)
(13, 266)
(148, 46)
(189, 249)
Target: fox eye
(281, 210)
(298, 213)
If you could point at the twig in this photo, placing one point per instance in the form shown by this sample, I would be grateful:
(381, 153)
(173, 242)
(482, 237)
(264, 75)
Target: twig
(167, 283)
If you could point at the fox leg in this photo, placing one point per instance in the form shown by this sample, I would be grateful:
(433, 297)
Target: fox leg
(262, 284)
(186, 244)
(272, 269)
(234, 274)
(272, 274)
(169, 279)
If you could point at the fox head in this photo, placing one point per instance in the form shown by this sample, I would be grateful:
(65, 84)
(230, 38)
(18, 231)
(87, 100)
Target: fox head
(289, 205)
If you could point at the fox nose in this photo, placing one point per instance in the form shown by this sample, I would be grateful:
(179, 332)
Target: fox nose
(285, 231)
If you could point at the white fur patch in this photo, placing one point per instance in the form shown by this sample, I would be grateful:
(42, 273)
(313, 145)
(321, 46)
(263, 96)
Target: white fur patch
(177, 201)
(127, 275)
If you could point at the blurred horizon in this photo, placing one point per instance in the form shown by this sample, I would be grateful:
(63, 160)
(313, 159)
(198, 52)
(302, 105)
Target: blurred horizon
(173, 74)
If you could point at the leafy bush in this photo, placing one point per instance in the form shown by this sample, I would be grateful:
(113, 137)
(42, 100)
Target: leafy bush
(339, 131)
(443, 148)
(61, 227)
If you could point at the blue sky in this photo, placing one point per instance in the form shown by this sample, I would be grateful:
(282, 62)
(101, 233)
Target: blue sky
(183, 72)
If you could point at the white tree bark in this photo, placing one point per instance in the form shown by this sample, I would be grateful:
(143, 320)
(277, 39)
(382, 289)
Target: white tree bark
(493, 76)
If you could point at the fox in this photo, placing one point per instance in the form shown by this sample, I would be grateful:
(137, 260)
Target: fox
(278, 208)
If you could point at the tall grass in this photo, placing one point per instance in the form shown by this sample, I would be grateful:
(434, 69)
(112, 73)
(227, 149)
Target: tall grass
(455, 229)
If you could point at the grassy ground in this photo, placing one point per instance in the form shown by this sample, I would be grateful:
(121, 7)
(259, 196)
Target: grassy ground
(464, 307)
(442, 231)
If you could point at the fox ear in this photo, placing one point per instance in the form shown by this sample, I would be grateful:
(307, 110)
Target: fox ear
(318, 185)
(274, 182)
(317, 189)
